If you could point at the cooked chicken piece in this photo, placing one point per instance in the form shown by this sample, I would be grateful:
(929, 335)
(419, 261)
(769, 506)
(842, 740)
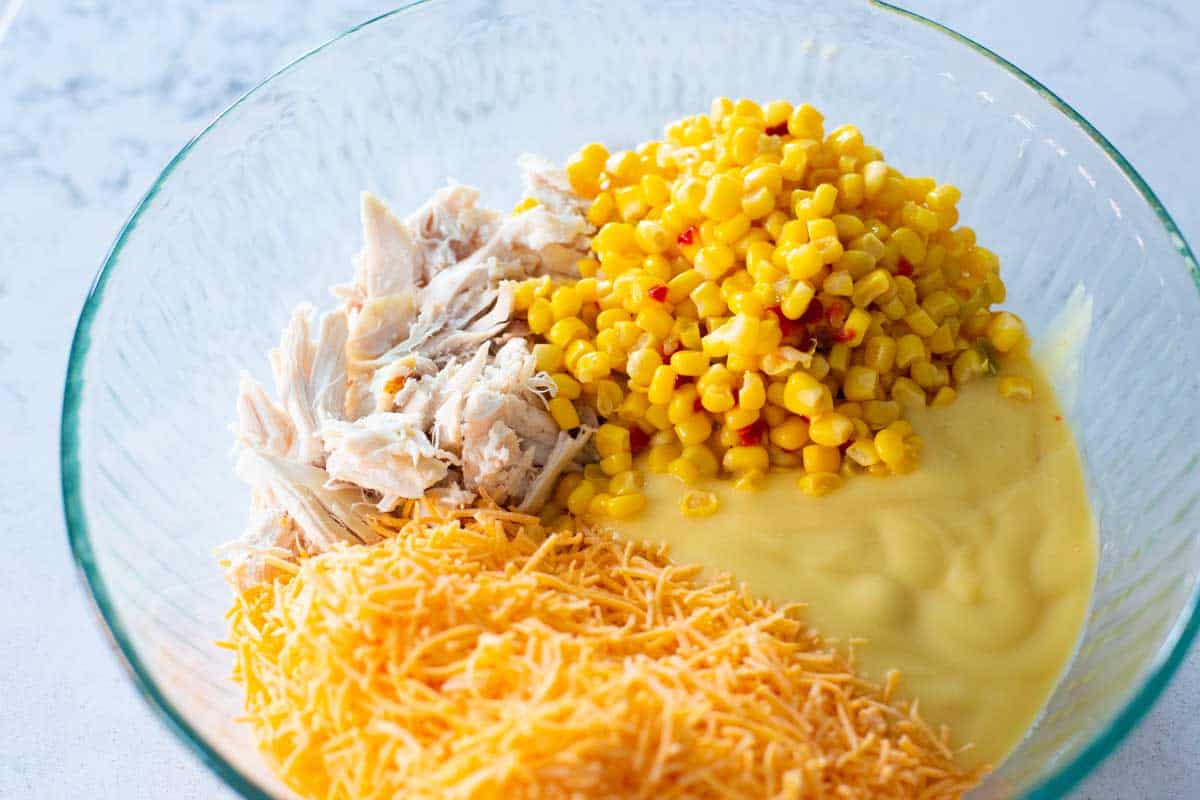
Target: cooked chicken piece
(323, 515)
(565, 454)
(261, 423)
(450, 227)
(421, 384)
(387, 453)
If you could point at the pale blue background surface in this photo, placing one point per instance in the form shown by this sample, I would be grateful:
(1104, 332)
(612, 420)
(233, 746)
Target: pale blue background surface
(96, 96)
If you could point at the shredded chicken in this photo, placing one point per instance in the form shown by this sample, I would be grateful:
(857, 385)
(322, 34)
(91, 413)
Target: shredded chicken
(419, 384)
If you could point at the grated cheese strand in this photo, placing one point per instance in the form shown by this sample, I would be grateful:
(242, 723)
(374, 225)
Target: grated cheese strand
(468, 657)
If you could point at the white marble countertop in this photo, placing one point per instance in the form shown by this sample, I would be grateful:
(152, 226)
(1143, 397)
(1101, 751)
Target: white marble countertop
(96, 95)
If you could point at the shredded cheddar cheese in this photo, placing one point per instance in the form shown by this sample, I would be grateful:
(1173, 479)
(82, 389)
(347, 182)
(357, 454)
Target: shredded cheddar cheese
(467, 657)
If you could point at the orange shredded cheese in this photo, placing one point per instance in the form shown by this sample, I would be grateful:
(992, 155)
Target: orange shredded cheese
(467, 657)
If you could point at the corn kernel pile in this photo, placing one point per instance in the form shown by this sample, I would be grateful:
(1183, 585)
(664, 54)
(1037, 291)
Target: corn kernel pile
(762, 294)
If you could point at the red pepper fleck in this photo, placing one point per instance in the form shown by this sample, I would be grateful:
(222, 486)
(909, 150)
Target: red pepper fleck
(904, 268)
(658, 292)
(787, 327)
(683, 380)
(844, 335)
(777, 130)
(751, 434)
(835, 311)
(813, 313)
(697, 405)
(638, 439)
(688, 236)
(1057, 418)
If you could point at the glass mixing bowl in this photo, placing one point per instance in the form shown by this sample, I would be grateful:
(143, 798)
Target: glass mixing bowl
(260, 212)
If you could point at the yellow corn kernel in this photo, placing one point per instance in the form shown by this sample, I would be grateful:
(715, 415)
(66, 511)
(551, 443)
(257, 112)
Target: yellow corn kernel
(699, 504)
(1005, 331)
(831, 429)
(806, 396)
(656, 321)
(743, 145)
(870, 287)
(683, 284)
(912, 246)
(745, 459)
(713, 261)
(641, 365)
(626, 505)
(889, 444)
(943, 197)
(633, 407)
(820, 458)
(566, 485)
(574, 351)
(615, 236)
(592, 367)
(791, 435)
(627, 482)
(803, 261)
(610, 439)
(703, 458)
(609, 397)
(757, 203)
(929, 375)
(660, 456)
(694, 430)
(651, 236)
(944, 397)
(921, 323)
(908, 393)
(662, 385)
(722, 197)
(616, 463)
(858, 322)
(602, 210)
(753, 394)
(540, 316)
(717, 398)
(860, 383)
(689, 363)
(656, 415)
(737, 417)
(839, 358)
(611, 316)
(819, 484)
(968, 365)
(708, 299)
(939, 305)
(909, 349)
(624, 166)
(567, 386)
(879, 353)
(655, 190)
(1014, 387)
(881, 413)
(566, 330)
(684, 470)
(797, 300)
(564, 413)
(922, 220)
(839, 284)
(942, 340)
(683, 404)
(732, 229)
(549, 357)
(580, 498)
(863, 452)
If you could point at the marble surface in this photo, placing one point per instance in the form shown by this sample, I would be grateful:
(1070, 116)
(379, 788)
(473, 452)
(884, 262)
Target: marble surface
(95, 96)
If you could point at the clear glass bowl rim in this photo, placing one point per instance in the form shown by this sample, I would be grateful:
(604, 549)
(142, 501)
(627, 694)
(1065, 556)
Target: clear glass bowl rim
(1170, 654)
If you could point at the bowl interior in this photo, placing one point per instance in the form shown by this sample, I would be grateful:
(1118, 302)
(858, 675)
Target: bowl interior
(260, 213)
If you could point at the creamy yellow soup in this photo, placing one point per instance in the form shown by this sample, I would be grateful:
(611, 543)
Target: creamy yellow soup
(971, 576)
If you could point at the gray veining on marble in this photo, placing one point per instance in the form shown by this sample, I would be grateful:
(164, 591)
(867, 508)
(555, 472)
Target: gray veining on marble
(96, 96)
